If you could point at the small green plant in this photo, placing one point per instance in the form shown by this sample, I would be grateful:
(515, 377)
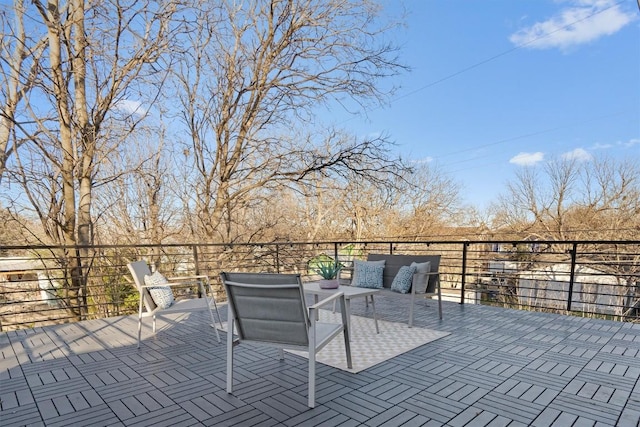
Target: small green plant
(328, 269)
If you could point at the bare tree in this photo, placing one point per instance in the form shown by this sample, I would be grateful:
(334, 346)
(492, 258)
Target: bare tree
(94, 62)
(20, 59)
(250, 79)
(429, 201)
(572, 200)
(138, 205)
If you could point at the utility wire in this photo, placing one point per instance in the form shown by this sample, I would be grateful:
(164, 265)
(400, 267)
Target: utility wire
(492, 58)
(527, 135)
(506, 52)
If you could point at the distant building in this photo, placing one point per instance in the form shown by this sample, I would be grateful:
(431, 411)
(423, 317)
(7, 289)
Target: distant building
(25, 279)
(593, 291)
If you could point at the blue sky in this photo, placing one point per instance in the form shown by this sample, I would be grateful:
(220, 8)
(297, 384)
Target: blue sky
(498, 85)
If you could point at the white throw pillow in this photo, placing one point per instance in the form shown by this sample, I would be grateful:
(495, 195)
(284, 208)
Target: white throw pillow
(160, 292)
(422, 278)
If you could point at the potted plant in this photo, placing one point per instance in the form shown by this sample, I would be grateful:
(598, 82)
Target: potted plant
(329, 271)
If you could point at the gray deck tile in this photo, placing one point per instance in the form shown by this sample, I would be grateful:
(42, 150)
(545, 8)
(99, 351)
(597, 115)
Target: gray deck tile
(170, 416)
(328, 391)
(416, 379)
(478, 378)
(99, 416)
(395, 416)
(315, 416)
(201, 408)
(497, 368)
(433, 406)
(510, 407)
(132, 387)
(23, 415)
(587, 408)
(50, 390)
(244, 416)
(394, 395)
(345, 408)
(629, 418)
(472, 417)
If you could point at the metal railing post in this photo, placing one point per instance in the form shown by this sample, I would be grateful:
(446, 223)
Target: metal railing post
(196, 266)
(277, 258)
(464, 271)
(195, 259)
(573, 251)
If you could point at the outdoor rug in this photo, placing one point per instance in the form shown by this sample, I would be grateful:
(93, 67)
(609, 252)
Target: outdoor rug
(368, 348)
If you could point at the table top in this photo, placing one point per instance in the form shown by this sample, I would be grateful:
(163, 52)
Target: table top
(349, 291)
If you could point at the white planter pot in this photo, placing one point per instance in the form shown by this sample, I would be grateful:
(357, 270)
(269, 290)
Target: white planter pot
(329, 284)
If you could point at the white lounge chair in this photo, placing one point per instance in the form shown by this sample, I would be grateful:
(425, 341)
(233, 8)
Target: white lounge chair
(139, 269)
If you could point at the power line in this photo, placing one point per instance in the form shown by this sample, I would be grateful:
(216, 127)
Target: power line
(492, 58)
(499, 55)
(528, 135)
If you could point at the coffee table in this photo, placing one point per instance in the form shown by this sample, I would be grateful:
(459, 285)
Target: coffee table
(349, 293)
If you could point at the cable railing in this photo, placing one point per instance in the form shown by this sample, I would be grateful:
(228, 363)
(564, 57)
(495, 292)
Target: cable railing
(42, 285)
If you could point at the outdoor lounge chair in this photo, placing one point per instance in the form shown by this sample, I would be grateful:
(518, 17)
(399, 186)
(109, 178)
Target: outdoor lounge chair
(270, 309)
(139, 269)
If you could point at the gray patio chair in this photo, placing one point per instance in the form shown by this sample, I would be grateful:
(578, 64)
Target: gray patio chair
(139, 269)
(270, 309)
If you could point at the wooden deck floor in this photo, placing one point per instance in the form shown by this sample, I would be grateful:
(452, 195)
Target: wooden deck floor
(498, 367)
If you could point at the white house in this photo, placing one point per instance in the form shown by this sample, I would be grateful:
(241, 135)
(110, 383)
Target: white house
(21, 278)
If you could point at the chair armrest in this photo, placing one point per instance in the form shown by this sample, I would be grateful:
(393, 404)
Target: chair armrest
(332, 298)
(168, 284)
(187, 278)
(420, 276)
(326, 301)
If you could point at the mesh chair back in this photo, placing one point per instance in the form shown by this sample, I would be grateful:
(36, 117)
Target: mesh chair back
(138, 270)
(268, 308)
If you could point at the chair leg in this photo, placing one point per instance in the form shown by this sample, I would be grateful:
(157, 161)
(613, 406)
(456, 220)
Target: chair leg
(375, 317)
(411, 310)
(213, 321)
(439, 299)
(346, 332)
(312, 358)
(140, 321)
(229, 353)
(312, 376)
(215, 306)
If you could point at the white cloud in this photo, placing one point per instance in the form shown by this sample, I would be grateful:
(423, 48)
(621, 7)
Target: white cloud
(427, 159)
(527, 159)
(632, 142)
(618, 144)
(601, 146)
(130, 107)
(579, 154)
(582, 22)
